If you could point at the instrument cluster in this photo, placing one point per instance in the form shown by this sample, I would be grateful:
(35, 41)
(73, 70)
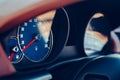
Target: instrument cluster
(36, 40)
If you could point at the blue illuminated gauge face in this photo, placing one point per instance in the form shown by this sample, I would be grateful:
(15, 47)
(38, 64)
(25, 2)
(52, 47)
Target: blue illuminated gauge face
(33, 41)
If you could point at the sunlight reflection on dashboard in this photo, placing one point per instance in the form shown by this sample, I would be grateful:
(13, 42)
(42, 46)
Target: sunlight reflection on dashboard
(45, 23)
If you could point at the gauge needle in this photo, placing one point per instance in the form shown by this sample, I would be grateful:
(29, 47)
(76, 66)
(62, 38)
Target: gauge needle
(30, 43)
(11, 56)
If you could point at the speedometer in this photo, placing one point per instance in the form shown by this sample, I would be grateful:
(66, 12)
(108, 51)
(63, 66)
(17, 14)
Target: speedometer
(33, 44)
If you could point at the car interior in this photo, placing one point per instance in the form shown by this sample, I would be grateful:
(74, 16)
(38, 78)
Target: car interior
(59, 40)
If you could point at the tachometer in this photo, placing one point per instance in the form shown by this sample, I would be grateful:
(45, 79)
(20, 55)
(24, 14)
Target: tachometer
(10, 44)
(14, 53)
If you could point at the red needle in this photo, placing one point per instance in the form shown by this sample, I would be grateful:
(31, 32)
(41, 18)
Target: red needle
(30, 43)
(11, 56)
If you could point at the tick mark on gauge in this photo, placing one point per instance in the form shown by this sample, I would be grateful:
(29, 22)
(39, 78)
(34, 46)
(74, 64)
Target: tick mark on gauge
(25, 24)
(46, 45)
(22, 29)
(46, 40)
(21, 35)
(17, 56)
(35, 20)
(22, 42)
(36, 48)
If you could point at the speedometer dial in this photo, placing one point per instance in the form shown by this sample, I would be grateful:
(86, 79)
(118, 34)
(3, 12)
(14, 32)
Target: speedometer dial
(34, 45)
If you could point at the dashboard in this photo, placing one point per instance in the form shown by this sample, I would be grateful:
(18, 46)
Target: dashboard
(73, 42)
